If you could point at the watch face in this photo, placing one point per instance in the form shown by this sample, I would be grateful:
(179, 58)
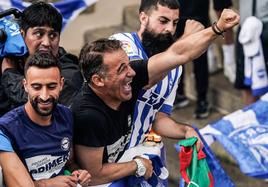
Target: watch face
(142, 171)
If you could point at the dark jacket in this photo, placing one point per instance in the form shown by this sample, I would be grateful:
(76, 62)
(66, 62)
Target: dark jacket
(12, 93)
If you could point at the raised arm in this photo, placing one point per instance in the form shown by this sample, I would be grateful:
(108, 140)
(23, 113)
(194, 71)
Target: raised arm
(188, 48)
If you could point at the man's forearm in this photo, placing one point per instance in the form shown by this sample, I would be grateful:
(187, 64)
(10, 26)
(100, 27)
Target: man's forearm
(181, 52)
(15, 174)
(113, 171)
(167, 127)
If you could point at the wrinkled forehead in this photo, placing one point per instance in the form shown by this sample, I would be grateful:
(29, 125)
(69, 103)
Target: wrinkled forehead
(113, 60)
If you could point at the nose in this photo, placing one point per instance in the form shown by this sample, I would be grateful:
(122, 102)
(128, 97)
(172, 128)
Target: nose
(170, 28)
(44, 95)
(46, 40)
(131, 72)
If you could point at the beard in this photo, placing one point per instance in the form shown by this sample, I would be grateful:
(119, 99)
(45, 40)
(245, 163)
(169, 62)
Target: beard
(44, 112)
(156, 43)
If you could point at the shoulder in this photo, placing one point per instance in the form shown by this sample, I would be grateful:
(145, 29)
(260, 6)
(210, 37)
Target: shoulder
(90, 112)
(11, 121)
(88, 108)
(63, 109)
(67, 57)
(12, 116)
(122, 37)
(63, 112)
(85, 99)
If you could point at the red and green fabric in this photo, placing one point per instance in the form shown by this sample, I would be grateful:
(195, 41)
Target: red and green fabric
(193, 165)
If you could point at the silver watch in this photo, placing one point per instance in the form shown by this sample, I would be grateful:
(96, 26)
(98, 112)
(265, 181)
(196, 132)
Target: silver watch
(141, 169)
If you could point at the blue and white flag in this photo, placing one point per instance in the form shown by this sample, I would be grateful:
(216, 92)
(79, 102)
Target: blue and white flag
(160, 173)
(221, 179)
(69, 9)
(244, 135)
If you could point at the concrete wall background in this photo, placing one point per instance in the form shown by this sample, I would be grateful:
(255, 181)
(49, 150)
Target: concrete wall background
(107, 13)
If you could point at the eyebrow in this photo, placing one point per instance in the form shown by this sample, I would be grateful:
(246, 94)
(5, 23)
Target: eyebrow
(120, 67)
(164, 17)
(51, 83)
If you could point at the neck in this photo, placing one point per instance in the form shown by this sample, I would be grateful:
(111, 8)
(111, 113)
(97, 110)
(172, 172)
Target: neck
(36, 118)
(105, 97)
(140, 34)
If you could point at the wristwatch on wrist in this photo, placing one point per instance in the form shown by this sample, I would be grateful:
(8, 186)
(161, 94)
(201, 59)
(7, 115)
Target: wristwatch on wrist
(141, 169)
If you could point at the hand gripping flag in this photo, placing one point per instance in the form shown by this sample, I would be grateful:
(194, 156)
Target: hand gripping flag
(218, 173)
(244, 135)
(160, 173)
(193, 165)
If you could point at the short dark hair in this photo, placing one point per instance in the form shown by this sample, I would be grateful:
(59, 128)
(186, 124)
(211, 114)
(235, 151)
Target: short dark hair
(41, 14)
(147, 5)
(91, 56)
(42, 60)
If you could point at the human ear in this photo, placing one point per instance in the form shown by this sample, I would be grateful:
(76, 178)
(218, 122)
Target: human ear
(97, 80)
(61, 83)
(24, 82)
(23, 33)
(143, 18)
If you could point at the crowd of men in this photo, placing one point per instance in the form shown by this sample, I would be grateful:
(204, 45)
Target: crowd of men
(68, 121)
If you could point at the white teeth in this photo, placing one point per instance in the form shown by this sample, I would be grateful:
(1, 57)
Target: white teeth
(127, 87)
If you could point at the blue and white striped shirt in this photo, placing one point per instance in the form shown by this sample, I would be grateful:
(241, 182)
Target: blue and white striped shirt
(159, 98)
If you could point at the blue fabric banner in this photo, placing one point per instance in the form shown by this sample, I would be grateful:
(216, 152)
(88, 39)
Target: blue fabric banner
(68, 8)
(244, 135)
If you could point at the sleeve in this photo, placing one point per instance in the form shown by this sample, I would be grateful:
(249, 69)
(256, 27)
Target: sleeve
(90, 128)
(141, 78)
(13, 88)
(5, 144)
(168, 103)
(219, 5)
(129, 46)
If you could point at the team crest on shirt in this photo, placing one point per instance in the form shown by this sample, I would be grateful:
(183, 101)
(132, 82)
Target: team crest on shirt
(65, 144)
(127, 47)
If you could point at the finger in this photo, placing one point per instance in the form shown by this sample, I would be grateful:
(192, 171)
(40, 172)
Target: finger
(198, 145)
(151, 173)
(85, 178)
(73, 178)
(71, 182)
(82, 174)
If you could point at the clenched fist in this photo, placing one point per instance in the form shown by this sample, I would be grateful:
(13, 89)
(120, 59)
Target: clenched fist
(228, 19)
(191, 27)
